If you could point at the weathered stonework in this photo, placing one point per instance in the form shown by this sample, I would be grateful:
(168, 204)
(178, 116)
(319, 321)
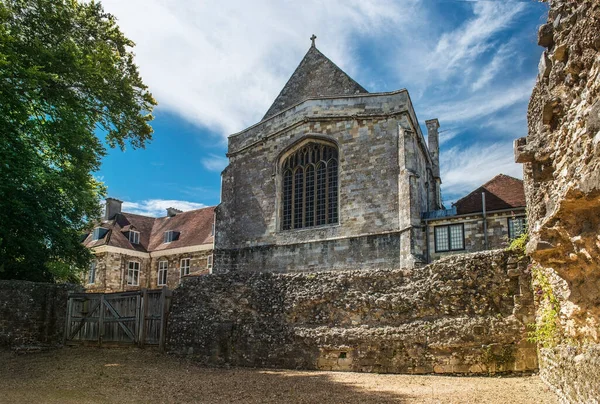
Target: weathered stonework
(111, 270)
(385, 182)
(462, 314)
(33, 313)
(497, 231)
(562, 180)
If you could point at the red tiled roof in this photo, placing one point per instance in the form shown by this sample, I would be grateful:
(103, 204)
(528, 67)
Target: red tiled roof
(501, 192)
(193, 227)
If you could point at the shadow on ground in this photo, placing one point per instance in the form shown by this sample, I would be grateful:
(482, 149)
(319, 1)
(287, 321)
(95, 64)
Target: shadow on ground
(91, 375)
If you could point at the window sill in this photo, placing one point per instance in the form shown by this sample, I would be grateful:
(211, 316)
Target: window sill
(322, 227)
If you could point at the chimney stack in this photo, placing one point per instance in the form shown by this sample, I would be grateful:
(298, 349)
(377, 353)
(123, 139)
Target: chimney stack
(113, 208)
(172, 212)
(433, 140)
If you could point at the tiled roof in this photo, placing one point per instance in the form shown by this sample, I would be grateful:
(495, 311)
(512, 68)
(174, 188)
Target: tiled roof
(193, 228)
(501, 192)
(315, 76)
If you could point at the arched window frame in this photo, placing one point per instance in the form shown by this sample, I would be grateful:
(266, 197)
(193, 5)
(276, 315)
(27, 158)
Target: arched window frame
(284, 182)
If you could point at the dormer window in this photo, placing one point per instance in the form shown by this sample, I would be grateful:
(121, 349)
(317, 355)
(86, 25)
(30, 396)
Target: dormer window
(169, 236)
(134, 237)
(98, 233)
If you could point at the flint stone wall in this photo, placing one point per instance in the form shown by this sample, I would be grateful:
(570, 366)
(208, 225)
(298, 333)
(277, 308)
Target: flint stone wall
(572, 372)
(562, 183)
(33, 313)
(462, 314)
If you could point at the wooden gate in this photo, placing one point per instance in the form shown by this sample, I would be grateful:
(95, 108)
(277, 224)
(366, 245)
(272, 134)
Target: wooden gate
(136, 317)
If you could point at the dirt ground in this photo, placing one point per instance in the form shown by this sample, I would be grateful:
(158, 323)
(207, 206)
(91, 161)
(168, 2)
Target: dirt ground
(90, 375)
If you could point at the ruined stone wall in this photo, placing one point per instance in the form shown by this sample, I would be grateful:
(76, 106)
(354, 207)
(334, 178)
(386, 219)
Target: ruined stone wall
(33, 313)
(463, 314)
(497, 230)
(374, 191)
(562, 182)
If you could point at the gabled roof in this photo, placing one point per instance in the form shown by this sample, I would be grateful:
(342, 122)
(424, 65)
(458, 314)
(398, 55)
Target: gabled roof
(501, 192)
(315, 76)
(194, 228)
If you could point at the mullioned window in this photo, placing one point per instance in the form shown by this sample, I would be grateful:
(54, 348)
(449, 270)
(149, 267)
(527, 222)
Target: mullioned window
(310, 187)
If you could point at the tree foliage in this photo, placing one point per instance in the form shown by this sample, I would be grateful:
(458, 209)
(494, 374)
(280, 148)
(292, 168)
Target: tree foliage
(67, 73)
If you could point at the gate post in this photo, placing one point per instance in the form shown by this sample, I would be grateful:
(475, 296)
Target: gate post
(163, 319)
(142, 318)
(101, 320)
(68, 319)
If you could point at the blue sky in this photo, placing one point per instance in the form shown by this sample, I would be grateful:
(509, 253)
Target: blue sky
(215, 68)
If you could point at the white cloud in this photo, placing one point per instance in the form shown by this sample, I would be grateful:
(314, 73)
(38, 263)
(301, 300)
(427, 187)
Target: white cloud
(158, 207)
(505, 55)
(221, 64)
(461, 47)
(465, 169)
(215, 163)
(482, 104)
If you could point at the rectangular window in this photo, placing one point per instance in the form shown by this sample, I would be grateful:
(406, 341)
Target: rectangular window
(449, 237)
(185, 267)
(163, 267)
(92, 274)
(168, 236)
(134, 237)
(209, 261)
(133, 273)
(516, 227)
(98, 233)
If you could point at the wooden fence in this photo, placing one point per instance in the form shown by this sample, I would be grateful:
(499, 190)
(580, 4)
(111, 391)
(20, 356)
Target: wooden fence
(136, 318)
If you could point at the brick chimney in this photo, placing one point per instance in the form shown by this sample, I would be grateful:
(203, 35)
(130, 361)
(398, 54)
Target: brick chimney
(113, 207)
(172, 212)
(433, 140)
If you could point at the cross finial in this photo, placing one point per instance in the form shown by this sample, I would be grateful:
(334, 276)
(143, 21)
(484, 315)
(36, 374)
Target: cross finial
(312, 38)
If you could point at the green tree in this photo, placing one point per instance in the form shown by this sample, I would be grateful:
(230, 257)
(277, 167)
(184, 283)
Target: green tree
(66, 73)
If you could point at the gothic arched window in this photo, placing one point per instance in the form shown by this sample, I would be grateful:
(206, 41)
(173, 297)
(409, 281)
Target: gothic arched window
(310, 186)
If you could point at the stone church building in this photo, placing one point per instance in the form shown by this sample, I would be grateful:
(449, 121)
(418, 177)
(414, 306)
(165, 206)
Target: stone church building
(333, 177)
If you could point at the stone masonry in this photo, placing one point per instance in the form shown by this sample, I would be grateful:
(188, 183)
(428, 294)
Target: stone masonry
(111, 270)
(387, 175)
(562, 180)
(383, 174)
(462, 314)
(33, 313)
(497, 231)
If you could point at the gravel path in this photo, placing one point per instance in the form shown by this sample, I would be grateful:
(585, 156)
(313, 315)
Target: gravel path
(90, 375)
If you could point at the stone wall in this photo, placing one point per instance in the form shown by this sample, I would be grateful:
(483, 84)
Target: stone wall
(33, 313)
(497, 230)
(111, 270)
(384, 166)
(462, 314)
(562, 183)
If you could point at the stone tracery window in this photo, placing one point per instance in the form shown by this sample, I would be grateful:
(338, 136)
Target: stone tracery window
(310, 186)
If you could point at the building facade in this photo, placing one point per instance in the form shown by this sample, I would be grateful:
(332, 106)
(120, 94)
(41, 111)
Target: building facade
(333, 177)
(133, 251)
(468, 227)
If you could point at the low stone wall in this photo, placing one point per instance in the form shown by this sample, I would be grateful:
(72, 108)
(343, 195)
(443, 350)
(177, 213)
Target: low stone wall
(33, 313)
(572, 372)
(462, 314)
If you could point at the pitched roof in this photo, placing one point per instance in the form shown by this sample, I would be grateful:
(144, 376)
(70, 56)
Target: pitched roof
(193, 227)
(501, 192)
(315, 76)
